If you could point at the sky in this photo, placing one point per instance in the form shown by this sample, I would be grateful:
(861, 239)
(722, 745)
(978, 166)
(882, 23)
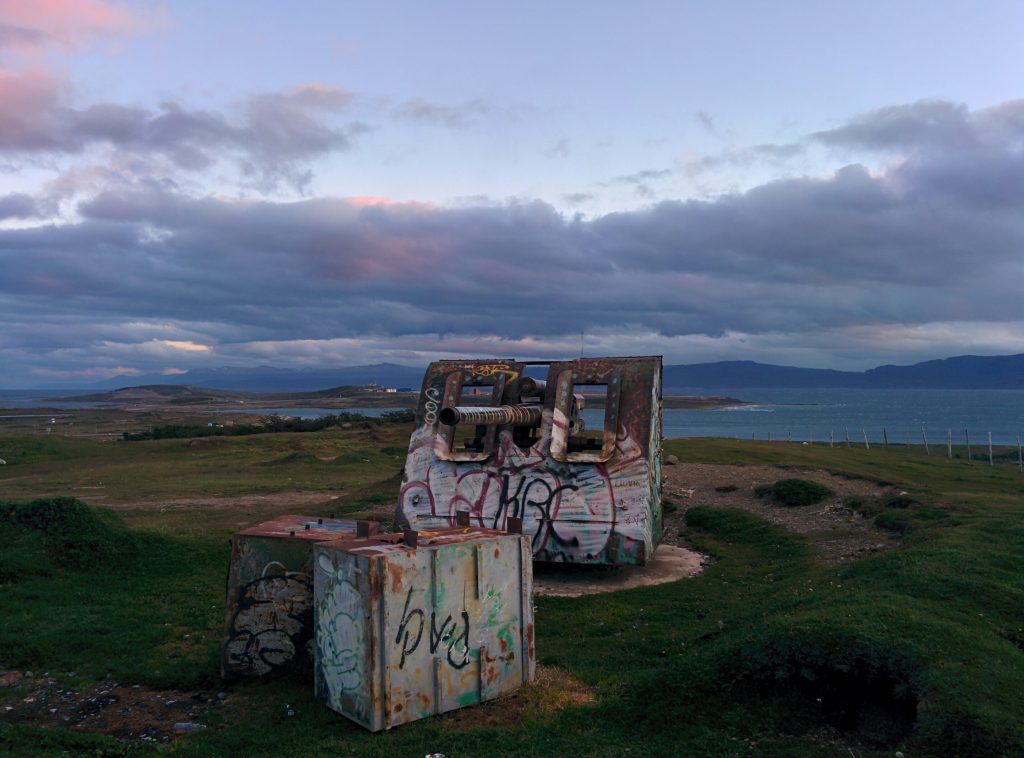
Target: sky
(193, 185)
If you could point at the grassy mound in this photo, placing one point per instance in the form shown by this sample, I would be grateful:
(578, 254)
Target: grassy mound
(794, 492)
(61, 532)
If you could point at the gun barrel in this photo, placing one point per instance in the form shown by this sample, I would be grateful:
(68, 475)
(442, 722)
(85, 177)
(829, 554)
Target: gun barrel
(525, 414)
(530, 387)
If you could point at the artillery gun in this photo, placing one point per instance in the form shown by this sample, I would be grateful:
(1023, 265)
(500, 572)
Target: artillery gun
(494, 441)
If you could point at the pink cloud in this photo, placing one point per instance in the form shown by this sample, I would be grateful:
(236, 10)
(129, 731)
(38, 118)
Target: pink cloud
(28, 102)
(67, 23)
(88, 373)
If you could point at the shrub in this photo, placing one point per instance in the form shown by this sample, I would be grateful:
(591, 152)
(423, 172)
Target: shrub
(893, 521)
(726, 488)
(899, 501)
(863, 506)
(794, 492)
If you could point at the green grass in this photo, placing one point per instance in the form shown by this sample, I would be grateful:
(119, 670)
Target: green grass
(761, 654)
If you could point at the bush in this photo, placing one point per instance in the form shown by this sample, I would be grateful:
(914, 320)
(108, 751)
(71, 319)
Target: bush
(864, 506)
(794, 492)
(726, 488)
(893, 521)
(899, 501)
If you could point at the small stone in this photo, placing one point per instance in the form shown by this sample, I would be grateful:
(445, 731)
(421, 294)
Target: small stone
(672, 460)
(188, 726)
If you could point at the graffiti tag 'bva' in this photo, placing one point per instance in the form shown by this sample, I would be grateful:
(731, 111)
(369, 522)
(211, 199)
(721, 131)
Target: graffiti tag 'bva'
(447, 634)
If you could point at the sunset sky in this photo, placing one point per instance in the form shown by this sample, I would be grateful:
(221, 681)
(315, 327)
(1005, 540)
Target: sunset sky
(194, 184)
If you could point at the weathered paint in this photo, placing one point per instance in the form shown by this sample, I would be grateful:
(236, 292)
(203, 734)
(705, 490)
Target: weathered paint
(269, 620)
(405, 632)
(600, 504)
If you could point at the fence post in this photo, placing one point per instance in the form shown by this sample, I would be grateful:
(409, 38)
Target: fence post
(925, 438)
(846, 435)
(885, 438)
(949, 444)
(990, 463)
(865, 433)
(967, 439)
(831, 437)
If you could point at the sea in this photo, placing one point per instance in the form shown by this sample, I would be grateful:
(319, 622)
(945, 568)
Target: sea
(898, 416)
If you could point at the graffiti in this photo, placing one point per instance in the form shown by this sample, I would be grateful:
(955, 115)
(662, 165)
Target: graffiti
(490, 369)
(446, 635)
(338, 635)
(270, 628)
(407, 617)
(433, 398)
(570, 511)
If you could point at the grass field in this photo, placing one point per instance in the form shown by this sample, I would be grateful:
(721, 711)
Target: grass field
(770, 651)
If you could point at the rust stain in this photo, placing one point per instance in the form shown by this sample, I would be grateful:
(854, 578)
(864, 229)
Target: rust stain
(396, 578)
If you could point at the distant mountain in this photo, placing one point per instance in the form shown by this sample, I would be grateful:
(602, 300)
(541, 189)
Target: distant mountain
(272, 379)
(961, 372)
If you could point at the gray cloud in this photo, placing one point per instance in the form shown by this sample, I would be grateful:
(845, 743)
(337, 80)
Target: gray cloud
(806, 258)
(745, 156)
(22, 206)
(928, 126)
(273, 138)
(452, 116)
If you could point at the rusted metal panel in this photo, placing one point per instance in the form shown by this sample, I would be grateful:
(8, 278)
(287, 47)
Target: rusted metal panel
(404, 632)
(269, 619)
(587, 496)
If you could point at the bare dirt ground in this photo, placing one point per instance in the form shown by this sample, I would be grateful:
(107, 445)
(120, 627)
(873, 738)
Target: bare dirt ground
(841, 533)
(128, 712)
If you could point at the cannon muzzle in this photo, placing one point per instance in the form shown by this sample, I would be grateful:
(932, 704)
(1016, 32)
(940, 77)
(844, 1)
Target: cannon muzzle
(530, 387)
(524, 414)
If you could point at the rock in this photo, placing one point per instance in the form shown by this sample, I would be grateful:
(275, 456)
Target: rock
(188, 726)
(671, 460)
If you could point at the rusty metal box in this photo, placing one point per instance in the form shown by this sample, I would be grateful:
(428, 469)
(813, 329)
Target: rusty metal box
(269, 620)
(411, 626)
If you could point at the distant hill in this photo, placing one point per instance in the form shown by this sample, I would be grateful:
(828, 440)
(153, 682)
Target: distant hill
(961, 372)
(272, 379)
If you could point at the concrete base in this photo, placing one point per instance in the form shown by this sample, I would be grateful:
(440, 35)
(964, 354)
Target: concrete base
(670, 564)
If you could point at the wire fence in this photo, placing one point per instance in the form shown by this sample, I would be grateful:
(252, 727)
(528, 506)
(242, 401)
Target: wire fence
(961, 444)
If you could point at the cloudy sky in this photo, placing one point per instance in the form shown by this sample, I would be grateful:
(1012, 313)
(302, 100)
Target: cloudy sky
(194, 184)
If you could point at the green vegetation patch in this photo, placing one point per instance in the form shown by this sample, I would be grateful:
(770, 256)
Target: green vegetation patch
(794, 492)
(60, 532)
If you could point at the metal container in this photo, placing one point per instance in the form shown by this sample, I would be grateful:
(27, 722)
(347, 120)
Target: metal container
(269, 622)
(422, 623)
(495, 442)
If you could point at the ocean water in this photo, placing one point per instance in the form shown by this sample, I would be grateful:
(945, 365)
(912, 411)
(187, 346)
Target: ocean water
(797, 414)
(813, 414)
